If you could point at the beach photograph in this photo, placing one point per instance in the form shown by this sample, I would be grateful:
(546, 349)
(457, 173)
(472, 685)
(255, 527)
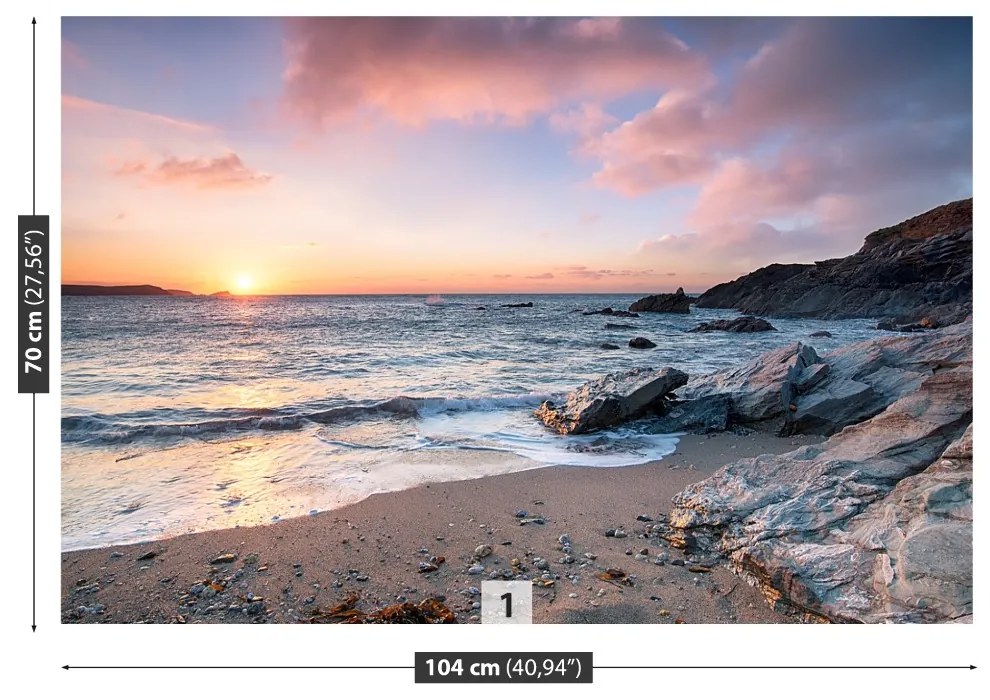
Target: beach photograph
(669, 318)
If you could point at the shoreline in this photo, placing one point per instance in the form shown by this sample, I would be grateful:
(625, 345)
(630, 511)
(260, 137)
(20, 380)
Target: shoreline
(285, 571)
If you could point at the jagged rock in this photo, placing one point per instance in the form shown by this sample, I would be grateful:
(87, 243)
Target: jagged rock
(612, 399)
(705, 415)
(676, 303)
(809, 377)
(850, 384)
(642, 343)
(609, 346)
(756, 390)
(922, 267)
(874, 524)
(743, 324)
(820, 334)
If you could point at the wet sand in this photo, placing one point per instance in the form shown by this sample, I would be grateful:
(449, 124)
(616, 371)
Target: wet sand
(285, 571)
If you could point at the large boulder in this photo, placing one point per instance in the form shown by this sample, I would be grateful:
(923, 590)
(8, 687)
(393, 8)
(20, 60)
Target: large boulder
(757, 390)
(872, 525)
(640, 343)
(742, 324)
(676, 303)
(612, 399)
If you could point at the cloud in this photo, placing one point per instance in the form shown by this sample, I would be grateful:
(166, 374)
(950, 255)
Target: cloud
(818, 82)
(79, 108)
(541, 276)
(222, 172)
(489, 70)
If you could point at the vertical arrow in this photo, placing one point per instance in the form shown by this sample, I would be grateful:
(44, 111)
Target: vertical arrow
(34, 457)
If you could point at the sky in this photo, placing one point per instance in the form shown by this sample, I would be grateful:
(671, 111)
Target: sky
(460, 155)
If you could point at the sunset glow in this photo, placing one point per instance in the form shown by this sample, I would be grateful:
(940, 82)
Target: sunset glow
(498, 155)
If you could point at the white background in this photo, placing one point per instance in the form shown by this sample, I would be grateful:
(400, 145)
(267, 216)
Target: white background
(33, 660)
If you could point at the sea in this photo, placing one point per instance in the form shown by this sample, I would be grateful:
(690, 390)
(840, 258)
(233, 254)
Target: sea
(186, 414)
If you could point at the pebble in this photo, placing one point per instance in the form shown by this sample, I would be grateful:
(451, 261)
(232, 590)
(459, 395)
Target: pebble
(644, 518)
(677, 562)
(521, 513)
(590, 555)
(572, 595)
(362, 577)
(314, 511)
(564, 539)
(116, 555)
(476, 569)
(147, 555)
(482, 551)
(541, 563)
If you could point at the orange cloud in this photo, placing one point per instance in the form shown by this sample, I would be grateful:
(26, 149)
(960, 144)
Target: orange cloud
(222, 172)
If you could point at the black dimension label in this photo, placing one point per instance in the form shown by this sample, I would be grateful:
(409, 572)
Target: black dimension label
(33, 307)
(503, 667)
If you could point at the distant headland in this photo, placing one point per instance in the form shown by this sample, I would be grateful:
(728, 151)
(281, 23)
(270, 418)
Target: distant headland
(129, 290)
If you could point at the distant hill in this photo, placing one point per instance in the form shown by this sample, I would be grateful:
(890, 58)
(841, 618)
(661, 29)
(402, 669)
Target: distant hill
(129, 290)
(920, 268)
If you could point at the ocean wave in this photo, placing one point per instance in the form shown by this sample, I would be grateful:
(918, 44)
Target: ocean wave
(100, 428)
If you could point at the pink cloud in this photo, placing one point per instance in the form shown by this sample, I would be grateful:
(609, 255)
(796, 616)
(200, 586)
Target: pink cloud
(72, 56)
(474, 70)
(222, 172)
(77, 107)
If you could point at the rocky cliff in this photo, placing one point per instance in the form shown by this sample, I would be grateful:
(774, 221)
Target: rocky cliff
(920, 268)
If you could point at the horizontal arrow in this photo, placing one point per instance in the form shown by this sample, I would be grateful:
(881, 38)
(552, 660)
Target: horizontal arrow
(240, 668)
(797, 668)
(375, 668)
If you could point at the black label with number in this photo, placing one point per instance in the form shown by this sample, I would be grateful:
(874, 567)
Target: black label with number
(33, 308)
(504, 667)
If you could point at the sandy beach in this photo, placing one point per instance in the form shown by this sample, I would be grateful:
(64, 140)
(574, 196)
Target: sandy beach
(286, 571)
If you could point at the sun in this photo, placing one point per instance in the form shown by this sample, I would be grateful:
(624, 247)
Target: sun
(244, 284)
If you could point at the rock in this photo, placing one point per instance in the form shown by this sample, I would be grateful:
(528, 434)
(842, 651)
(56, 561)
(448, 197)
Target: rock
(608, 346)
(840, 403)
(147, 555)
(476, 569)
(644, 518)
(641, 344)
(521, 513)
(742, 324)
(482, 551)
(703, 415)
(922, 267)
(755, 389)
(676, 303)
(820, 334)
(825, 394)
(523, 305)
(618, 326)
(612, 399)
(808, 377)
(609, 311)
(872, 525)
(226, 558)
(480, 308)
